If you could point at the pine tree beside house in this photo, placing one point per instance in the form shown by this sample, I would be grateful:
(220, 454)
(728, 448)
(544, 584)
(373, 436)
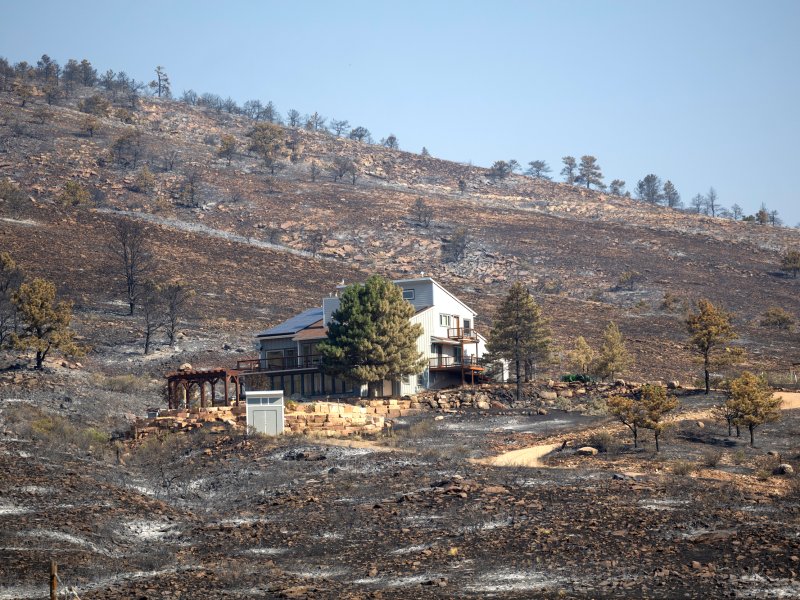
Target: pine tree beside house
(370, 338)
(520, 333)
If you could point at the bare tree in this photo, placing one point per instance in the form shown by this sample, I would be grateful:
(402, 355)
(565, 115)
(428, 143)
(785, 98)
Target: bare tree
(712, 200)
(314, 170)
(151, 303)
(130, 249)
(253, 109)
(315, 242)
(454, 248)
(422, 212)
(176, 298)
(189, 187)
(341, 166)
(700, 204)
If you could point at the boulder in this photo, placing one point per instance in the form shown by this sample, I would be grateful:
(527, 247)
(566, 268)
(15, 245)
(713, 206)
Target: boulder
(546, 395)
(784, 469)
(541, 411)
(482, 405)
(586, 451)
(673, 385)
(185, 367)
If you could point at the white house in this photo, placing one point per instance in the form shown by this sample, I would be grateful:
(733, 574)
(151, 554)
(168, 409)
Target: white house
(450, 344)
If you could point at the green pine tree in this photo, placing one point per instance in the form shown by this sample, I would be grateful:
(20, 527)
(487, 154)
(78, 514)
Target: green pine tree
(370, 337)
(710, 328)
(614, 357)
(520, 332)
(45, 324)
(752, 402)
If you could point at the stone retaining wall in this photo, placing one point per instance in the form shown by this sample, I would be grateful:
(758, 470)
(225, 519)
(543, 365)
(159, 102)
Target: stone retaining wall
(326, 419)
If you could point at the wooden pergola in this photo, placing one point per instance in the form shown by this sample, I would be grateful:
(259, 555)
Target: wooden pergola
(180, 385)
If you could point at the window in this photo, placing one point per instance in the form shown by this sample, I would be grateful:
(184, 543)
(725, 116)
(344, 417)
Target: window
(408, 294)
(275, 359)
(467, 324)
(444, 320)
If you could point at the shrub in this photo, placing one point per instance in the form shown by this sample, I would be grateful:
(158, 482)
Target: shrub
(57, 433)
(73, 194)
(604, 442)
(778, 318)
(144, 182)
(11, 196)
(124, 115)
(683, 468)
(671, 302)
(126, 384)
(579, 378)
(712, 457)
(95, 105)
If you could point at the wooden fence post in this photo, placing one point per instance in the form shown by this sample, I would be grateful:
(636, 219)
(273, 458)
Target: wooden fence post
(53, 580)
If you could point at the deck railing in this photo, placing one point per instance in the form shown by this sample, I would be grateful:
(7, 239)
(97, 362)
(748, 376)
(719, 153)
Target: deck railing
(446, 362)
(462, 333)
(286, 363)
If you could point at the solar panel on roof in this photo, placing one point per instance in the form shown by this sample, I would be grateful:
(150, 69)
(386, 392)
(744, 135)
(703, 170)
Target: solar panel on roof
(295, 323)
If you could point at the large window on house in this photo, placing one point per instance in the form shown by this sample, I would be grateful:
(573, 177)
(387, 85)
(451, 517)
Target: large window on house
(444, 320)
(275, 359)
(408, 294)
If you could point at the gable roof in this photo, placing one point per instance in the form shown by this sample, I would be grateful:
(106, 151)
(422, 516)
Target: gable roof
(437, 284)
(295, 323)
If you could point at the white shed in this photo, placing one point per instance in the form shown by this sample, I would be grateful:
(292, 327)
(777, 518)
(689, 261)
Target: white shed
(265, 411)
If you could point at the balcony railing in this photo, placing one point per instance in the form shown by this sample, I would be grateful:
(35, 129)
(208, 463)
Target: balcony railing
(462, 333)
(286, 363)
(447, 362)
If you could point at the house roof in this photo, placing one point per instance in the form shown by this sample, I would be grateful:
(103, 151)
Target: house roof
(294, 324)
(399, 282)
(316, 331)
(439, 285)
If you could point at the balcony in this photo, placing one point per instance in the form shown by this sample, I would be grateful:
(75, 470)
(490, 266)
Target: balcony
(467, 334)
(467, 363)
(287, 363)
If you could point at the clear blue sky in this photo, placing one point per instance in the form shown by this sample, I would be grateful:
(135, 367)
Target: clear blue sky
(702, 93)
